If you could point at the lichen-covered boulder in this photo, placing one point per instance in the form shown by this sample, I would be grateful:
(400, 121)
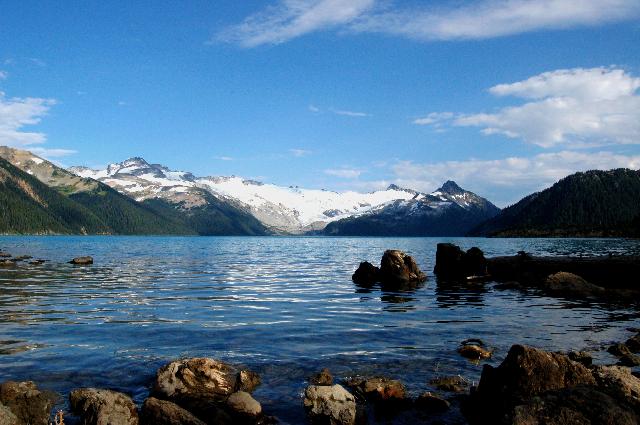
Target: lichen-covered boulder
(162, 412)
(103, 407)
(26, 402)
(331, 405)
(7, 417)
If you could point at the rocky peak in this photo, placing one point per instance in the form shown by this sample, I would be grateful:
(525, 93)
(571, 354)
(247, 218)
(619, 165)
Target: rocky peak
(451, 188)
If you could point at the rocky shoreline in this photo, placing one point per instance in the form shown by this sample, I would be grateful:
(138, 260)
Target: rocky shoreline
(530, 386)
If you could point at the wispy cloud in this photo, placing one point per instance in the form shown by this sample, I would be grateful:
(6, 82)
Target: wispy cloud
(517, 176)
(52, 153)
(314, 109)
(37, 62)
(289, 19)
(571, 107)
(349, 113)
(16, 113)
(223, 158)
(344, 173)
(480, 19)
(3, 75)
(299, 152)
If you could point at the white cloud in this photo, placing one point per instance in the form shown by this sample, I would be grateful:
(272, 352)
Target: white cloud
(16, 113)
(3, 75)
(300, 152)
(292, 18)
(223, 158)
(479, 19)
(349, 113)
(344, 173)
(495, 18)
(571, 107)
(314, 109)
(52, 153)
(506, 180)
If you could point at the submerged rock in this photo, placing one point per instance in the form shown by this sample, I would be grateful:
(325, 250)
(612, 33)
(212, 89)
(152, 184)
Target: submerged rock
(82, 261)
(331, 405)
(456, 384)
(625, 356)
(563, 283)
(162, 412)
(103, 407)
(379, 389)
(474, 349)
(26, 402)
(432, 403)
(396, 267)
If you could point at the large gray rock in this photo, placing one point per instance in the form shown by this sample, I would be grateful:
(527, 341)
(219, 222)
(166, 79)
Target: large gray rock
(28, 404)
(396, 267)
(162, 412)
(7, 417)
(103, 407)
(331, 405)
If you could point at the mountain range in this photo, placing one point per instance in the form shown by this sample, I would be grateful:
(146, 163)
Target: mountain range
(137, 197)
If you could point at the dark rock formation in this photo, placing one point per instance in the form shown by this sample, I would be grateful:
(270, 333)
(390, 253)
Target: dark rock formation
(366, 274)
(331, 405)
(627, 358)
(452, 263)
(7, 417)
(581, 357)
(82, 261)
(162, 412)
(28, 404)
(525, 373)
(100, 407)
(396, 269)
(243, 407)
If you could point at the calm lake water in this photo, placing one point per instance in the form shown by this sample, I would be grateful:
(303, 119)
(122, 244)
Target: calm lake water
(285, 307)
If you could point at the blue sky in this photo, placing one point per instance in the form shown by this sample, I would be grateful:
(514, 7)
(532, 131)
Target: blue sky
(504, 97)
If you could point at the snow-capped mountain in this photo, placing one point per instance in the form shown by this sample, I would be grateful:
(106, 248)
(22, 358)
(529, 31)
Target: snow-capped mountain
(282, 209)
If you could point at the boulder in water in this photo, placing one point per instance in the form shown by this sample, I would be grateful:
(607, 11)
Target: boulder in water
(99, 406)
(82, 261)
(563, 283)
(396, 267)
(366, 274)
(331, 405)
(323, 377)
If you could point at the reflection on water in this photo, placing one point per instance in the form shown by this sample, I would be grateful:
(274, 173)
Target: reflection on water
(285, 307)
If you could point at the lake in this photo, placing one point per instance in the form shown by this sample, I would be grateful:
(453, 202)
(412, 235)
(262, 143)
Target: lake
(283, 306)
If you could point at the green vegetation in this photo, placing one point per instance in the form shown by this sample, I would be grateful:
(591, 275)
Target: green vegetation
(28, 206)
(593, 203)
